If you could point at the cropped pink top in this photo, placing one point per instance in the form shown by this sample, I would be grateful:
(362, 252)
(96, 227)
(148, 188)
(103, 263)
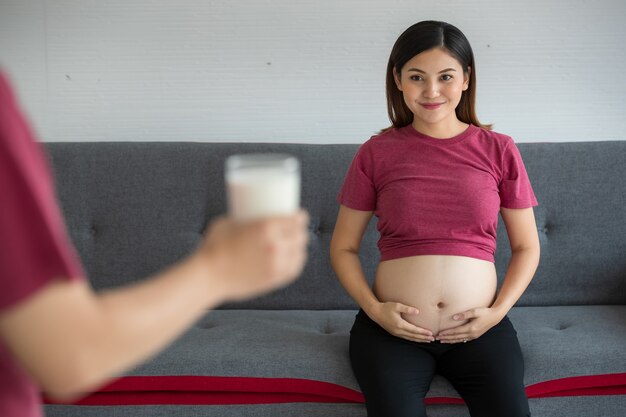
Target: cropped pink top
(437, 196)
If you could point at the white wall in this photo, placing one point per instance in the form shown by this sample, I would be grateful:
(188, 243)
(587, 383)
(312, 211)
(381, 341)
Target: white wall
(302, 71)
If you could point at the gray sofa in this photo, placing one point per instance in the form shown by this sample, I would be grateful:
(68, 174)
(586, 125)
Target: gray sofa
(133, 208)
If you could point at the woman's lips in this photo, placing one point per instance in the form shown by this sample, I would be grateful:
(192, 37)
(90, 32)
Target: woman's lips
(431, 106)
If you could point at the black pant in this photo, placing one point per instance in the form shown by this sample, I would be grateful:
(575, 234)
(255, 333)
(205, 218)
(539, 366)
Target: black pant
(395, 374)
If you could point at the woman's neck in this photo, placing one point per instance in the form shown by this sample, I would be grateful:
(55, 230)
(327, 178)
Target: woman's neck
(441, 130)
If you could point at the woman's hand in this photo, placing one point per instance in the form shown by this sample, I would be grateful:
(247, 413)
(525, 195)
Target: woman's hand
(389, 316)
(480, 320)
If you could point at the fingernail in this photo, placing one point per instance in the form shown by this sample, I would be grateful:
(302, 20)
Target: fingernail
(456, 317)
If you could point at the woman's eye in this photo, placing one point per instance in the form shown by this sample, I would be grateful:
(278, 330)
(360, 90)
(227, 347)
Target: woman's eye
(446, 77)
(416, 78)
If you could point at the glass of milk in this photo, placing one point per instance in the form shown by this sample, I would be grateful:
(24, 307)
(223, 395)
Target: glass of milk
(262, 185)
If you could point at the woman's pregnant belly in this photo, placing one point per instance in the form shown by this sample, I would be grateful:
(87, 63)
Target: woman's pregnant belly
(440, 286)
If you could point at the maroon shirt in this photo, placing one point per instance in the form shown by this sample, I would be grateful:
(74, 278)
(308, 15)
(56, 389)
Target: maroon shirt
(34, 246)
(437, 196)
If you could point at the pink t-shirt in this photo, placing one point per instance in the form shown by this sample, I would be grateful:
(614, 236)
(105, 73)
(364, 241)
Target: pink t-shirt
(34, 247)
(437, 196)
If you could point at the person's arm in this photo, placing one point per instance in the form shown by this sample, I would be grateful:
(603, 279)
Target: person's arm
(525, 251)
(344, 249)
(72, 340)
(524, 239)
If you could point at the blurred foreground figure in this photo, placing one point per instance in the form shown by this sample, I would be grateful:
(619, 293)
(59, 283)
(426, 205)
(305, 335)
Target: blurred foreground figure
(56, 334)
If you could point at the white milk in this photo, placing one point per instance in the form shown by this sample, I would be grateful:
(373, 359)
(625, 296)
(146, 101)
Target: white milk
(267, 188)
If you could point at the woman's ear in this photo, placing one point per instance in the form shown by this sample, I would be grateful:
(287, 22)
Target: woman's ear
(396, 78)
(466, 78)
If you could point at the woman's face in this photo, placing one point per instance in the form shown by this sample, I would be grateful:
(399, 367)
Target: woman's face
(432, 83)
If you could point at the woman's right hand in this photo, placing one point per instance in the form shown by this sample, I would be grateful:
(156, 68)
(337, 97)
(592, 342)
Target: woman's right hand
(389, 315)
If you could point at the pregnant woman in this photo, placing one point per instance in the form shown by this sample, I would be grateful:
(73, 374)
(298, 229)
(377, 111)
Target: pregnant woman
(436, 180)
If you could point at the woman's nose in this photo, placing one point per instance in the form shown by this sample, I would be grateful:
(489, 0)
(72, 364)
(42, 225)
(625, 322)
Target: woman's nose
(431, 90)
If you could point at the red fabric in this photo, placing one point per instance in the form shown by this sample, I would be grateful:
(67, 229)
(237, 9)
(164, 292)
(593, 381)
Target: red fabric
(142, 390)
(34, 247)
(437, 196)
(206, 390)
(608, 384)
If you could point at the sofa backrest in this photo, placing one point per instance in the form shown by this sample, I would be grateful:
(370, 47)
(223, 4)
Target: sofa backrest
(133, 208)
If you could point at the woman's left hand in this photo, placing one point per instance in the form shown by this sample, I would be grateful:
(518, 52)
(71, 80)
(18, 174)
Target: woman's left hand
(480, 320)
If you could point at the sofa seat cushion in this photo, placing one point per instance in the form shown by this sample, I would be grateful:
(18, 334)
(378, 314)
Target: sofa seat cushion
(572, 347)
(273, 356)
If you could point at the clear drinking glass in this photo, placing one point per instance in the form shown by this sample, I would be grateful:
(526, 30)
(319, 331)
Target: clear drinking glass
(262, 185)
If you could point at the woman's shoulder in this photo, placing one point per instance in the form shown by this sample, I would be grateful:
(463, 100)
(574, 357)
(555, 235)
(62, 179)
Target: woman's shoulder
(385, 137)
(494, 135)
(492, 138)
(384, 144)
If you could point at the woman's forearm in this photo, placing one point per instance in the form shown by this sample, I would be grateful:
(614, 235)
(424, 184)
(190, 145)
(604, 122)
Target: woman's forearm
(348, 269)
(519, 273)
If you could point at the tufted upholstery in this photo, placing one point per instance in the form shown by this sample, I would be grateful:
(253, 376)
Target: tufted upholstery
(133, 208)
(581, 221)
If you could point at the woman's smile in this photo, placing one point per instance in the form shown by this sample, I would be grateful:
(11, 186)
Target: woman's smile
(431, 106)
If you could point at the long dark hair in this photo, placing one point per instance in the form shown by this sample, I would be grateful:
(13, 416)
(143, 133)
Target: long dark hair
(421, 37)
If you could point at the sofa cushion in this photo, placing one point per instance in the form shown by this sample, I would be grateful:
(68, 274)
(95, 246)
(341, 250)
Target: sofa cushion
(609, 405)
(252, 356)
